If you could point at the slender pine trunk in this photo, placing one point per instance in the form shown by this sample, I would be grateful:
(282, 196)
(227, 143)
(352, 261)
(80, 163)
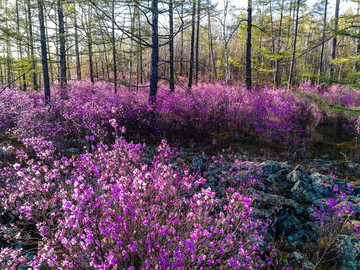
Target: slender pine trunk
(77, 50)
(63, 80)
(154, 52)
(113, 44)
(248, 47)
(291, 74)
(277, 76)
(197, 42)
(44, 53)
(171, 47)
(31, 44)
(323, 40)
(212, 61)
(336, 26)
(191, 68)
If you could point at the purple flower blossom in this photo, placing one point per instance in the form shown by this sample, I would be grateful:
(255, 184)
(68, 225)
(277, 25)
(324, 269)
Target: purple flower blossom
(113, 123)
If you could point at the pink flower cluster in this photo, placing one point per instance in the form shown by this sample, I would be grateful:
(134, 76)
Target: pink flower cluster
(111, 209)
(268, 114)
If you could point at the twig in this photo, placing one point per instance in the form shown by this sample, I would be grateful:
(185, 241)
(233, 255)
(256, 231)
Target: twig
(10, 83)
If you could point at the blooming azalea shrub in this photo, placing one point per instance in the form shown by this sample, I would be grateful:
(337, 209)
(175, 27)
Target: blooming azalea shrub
(346, 97)
(334, 218)
(110, 208)
(10, 258)
(268, 115)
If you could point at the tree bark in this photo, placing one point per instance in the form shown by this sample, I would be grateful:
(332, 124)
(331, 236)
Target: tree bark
(106, 63)
(154, 52)
(113, 45)
(90, 47)
(23, 84)
(140, 48)
(32, 54)
(91, 63)
(212, 61)
(62, 46)
(197, 42)
(323, 40)
(336, 26)
(294, 45)
(171, 47)
(77, 50)
(248, 46)
(226, 41)
(8, 60)
(192, 44)
(44, 53)
(182, 43)
(132, 26)
(357, 65)
(277, 76)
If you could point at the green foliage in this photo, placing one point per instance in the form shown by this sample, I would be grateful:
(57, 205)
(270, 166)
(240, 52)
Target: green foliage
(326, 104)
(266, 71)
(345, 60)
(235, 62)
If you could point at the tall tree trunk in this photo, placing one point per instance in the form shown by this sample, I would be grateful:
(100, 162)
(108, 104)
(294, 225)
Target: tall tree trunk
(44, 53)
(273, 64)
(77, 50)
(154, 52)
(294, 45)
(323, 40)
(197, 42)
(272, 28)
(97, 70)
(336, 26)
(277, 76)
(113, 44)
(91, 63)
(357, 65)
(62, 46)
(56, 62)
(171, 47)
(132, 27)
(105, 62)
(140, 48)
(23, 79)
(31, 44)
(4, 64)
(289, 30)
(227, 61)
(182, 42)
(192, 44)
(226, 42)
(90, 49)
(8, 49)
(1, 73)
(248, 46)
(212, 61)
(8, 60)
(69, 75)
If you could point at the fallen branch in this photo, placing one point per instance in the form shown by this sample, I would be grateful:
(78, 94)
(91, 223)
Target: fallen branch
(10, 83)
(183, 87)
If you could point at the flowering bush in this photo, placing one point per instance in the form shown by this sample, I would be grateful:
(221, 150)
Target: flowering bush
(333, 219)
(270, 115)
(109, 209)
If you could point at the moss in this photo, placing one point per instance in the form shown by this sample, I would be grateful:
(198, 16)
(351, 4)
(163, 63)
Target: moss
(336, 151)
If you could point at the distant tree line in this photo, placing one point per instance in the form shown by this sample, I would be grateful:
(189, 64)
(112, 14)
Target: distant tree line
(139, 42)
